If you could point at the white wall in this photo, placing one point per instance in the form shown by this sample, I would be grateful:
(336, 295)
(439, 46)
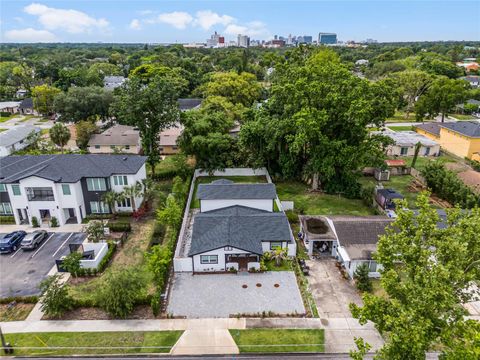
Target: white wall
(221, 252)
(131, 179)
(262, 204)
(100, 249)
(393, 150)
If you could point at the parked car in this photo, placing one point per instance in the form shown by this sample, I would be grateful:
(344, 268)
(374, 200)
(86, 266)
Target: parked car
(32, 240)
(11, 242)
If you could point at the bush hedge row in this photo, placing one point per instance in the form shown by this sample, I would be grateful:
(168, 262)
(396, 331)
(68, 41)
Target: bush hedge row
(119, 226)
(7, 220)
(19, 299)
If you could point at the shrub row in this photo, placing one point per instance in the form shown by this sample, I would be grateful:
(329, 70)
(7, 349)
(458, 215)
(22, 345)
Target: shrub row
(119, 226)
(93, 302)
(4, 114)
(7, 220)
(474, 164)
(19, 299)
(112, 247)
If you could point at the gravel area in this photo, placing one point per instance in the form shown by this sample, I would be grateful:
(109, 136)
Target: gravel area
(222, 295)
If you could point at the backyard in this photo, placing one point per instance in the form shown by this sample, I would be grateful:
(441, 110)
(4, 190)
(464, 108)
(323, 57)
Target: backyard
(399, 183)
(82, 343)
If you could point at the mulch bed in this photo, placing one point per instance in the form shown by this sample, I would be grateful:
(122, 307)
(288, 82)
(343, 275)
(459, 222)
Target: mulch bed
(140, 313)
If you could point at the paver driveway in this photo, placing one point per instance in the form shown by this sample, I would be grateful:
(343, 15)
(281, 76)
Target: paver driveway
(222, 295)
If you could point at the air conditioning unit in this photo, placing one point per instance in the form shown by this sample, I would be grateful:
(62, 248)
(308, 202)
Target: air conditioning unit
(382, 175)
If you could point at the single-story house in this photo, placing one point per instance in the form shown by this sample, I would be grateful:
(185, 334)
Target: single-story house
(189, 104)
(21, 93)
(385, 198)
(224, 193)
(168, 140)
(15, 138)
(406, 141)
(9, 106)
(26, 107)
(123, 138)
(113, 82)
(473, 80)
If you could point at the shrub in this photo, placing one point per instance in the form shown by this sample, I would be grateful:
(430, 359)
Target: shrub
(94, 231)
(291, 216)
(71, 263)
(7, 220)
(119, 226)
(55, 300)
(158, 234)
(362, 280)
(4, 114)
(121, 291)
(35, 223)
(367, 193)
(158, 262)
(53, 222)
(19, 299)
(112, 247)
(155, 304)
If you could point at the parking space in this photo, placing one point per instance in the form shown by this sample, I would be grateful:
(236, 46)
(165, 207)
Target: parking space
(22, 271)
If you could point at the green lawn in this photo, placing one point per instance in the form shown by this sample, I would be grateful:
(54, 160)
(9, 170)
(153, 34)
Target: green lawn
(208, 179)
(279, 340)
(3, 130)
(314, 203)
(399, 116)
(463, 117)
(285, 266)
(80, 343)
(6, 118)
(400, 128)
(422, 160)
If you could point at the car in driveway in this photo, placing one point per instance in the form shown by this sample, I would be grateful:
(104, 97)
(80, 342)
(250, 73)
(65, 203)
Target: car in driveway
(32, 240)
(11, 242)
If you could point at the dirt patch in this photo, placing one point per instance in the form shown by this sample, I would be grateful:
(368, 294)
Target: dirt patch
(140, 312)
(15, 312)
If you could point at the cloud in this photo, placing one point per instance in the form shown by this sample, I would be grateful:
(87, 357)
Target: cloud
(207, 18)
(254, 28)
(69, 20)
(135, 24)
(29, 35)
(178, 19)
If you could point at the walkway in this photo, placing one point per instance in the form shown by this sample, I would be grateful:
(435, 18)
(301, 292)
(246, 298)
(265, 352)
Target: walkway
(68, 228)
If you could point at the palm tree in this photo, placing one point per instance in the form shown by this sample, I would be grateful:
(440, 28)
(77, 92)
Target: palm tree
(279, 255)
(132, 192)
(111, 197)
(59, 134)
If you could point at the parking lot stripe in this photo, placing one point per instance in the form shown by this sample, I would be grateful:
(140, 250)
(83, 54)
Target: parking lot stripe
(68, 238)
(16, 252)
(40, 248)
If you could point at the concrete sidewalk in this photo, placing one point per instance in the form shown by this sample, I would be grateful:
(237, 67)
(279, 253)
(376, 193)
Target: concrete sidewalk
(68, 228)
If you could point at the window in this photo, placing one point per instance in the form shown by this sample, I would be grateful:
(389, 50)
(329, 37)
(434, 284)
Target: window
(124, 203)
(208, 259)
(3, 188)
(403, 151)
(228, 248)
(127, 147)
(427, 151)
(96, 184)
(97, 146)
(372, 266)
(120, 180)
(6, 209)
(66, 189)
(99, 207)
(40, 194)
(16, 190)
(275, 245)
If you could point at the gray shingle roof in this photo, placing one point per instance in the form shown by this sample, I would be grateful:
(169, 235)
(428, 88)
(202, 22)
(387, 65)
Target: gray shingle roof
(26, 103)
(16, 134)
(237, 226)
(432, 128)
(67, 168)
(216, 191)
(189, 104)
(116, 135)
(468, 128)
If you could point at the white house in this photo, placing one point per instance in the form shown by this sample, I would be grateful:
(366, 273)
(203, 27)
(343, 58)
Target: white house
(113, 82)
(9, 106)
(406, 141)
(236, 226)
(15, 138)
(67, 187)
(349, 239)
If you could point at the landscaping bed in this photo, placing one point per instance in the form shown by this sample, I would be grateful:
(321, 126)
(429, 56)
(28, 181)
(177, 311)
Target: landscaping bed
(16, 312)
(81, 343)
(279, 340)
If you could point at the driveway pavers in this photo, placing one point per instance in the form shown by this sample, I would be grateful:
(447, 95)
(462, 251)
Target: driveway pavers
(222, 295)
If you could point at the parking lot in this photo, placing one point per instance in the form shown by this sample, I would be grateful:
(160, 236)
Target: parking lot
(22, 271)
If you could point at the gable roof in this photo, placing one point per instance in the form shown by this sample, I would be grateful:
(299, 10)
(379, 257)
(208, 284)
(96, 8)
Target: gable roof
(238, 226)
(467, 128)
(408, 138)
(189, 104)
(432, 128)
(217, 191)
(116, 135)
(16, 134)
(26, 103)
(67, 168)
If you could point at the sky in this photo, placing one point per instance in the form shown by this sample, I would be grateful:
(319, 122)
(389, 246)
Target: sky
(156, 21)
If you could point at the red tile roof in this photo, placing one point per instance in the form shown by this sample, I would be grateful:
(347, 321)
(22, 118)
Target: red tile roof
(397, 162)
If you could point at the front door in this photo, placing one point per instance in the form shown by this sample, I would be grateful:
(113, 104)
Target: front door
(45, 216)
(22, 215)
(242, 261)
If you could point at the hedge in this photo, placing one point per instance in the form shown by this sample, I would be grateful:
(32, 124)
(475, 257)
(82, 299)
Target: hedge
(4, 114)
(19, 299)
(119, 226)
(7, 220)
(112, 247)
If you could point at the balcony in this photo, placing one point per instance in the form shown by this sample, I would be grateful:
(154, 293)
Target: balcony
(40, 194)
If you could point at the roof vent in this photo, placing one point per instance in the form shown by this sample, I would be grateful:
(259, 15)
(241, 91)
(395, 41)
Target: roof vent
(125, 159)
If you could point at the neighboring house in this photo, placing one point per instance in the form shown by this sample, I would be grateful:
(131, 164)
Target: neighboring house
(469, 66)
(236, 226)
(168, 140)
(406, 141)
(113, 82)
(473, 80)
(361, 62)
(15, 139)
(472, 102)
(461, 138)
(118, 138)
(350, 239)
(26, 107)
(9, 106)
(189, 104)
(21, 93)
(68, 187)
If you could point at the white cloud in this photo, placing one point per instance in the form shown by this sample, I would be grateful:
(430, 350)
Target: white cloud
(135, 24)
(72, 21)
(207, 18)
(177, 19)
(254, 28)
(30, 35)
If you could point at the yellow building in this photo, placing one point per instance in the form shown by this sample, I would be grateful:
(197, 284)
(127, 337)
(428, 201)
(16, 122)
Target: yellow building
(460, 138)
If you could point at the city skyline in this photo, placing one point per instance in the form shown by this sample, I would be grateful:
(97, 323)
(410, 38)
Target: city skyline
(189, 21)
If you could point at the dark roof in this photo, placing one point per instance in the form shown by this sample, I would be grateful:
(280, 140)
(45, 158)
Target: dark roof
(189, 104)
(359, 234)
(473, 102)
(442, 214)
(467, 128)
(26, 103)
(216, 191)
(237, 226)
(67, 168)
(390, 194)
(431, 128)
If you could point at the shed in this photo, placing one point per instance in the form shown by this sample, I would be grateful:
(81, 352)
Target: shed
(385, 198)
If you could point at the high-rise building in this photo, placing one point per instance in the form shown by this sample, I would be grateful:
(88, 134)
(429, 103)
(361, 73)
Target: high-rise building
(214, 40)
(243, 41)
(327, 38)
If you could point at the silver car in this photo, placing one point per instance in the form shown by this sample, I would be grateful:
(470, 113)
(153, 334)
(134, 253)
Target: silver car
(32, 240)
